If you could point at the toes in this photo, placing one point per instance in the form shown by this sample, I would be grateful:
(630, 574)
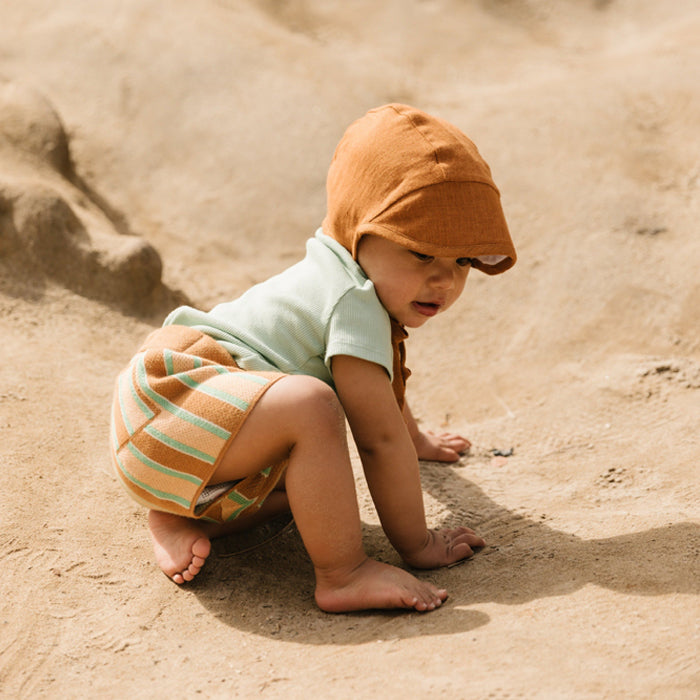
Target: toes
(432, 599)
(190, 572)
(418, 605)
(427, 606)
(201, 549)
(181, 562)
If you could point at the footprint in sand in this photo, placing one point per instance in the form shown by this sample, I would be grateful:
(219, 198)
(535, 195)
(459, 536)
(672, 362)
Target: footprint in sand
(52, 225)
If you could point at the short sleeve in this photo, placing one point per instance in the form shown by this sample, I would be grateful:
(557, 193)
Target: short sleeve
(360, 327)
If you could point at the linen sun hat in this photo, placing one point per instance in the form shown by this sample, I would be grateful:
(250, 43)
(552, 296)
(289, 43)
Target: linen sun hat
(416, 180)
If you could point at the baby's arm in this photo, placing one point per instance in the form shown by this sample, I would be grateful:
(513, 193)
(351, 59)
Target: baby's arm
(434, 447)
(391, 466)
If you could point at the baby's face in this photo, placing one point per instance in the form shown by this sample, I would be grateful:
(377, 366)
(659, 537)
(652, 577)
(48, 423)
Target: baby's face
(412, 287)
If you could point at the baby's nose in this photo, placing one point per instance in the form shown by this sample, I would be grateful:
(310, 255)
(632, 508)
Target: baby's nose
(444, 277)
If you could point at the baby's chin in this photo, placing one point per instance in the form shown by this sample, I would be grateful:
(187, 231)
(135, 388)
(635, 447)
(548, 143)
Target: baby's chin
(414, 322)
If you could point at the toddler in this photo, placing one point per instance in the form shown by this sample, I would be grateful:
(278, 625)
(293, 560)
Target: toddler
(226, 418)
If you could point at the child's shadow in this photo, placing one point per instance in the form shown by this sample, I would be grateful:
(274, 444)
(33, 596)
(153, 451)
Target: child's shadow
(269, 591)
(527, 559)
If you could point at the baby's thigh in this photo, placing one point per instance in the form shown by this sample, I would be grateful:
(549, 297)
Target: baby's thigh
(291, 410)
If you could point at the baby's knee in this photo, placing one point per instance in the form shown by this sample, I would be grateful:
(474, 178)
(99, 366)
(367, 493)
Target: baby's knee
(315, 401)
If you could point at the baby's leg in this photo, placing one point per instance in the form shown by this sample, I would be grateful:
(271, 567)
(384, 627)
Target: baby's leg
(300, 418)
(181, 545)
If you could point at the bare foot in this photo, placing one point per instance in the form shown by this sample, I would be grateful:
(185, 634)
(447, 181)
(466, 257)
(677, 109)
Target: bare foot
(375, 585)
(181, 546)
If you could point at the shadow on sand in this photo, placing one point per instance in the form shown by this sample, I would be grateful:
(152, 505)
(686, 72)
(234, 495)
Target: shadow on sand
(526, 560)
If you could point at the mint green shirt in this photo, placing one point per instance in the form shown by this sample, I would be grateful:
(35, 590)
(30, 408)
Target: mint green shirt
(297, 321)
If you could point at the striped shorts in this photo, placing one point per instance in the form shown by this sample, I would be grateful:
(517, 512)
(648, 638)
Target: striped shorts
(177, 406)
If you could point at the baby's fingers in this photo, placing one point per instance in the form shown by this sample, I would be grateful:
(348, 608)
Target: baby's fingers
(457, 552)
(463, 540)
(458, 443)
(469, 537)
(446, 454)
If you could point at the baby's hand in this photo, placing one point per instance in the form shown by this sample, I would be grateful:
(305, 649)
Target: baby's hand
(443, 447)
(444, 547)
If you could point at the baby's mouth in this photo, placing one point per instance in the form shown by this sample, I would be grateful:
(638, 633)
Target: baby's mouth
(426, 308)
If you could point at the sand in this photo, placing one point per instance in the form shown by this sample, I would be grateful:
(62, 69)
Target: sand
(152, 152)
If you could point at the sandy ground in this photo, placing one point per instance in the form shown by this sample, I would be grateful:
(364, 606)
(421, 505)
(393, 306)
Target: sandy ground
(152, 151)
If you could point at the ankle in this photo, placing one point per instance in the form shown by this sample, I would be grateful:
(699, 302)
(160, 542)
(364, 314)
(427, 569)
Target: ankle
(339, 576)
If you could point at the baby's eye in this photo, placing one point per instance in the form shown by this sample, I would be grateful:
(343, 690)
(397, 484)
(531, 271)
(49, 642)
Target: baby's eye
(422, 257)
(465, 262)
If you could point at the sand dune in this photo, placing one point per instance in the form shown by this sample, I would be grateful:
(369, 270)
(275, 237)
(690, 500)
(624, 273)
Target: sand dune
(152, 152)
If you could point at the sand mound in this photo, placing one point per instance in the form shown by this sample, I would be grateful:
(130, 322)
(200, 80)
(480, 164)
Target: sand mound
(52, 224)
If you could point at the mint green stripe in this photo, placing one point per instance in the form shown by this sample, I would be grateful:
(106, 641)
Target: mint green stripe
(180, 446)
(125, 378)
(235, 513)
(161, 467)
(176, 410)
(213, 391)
(208, 519)
(237, 498)
(243, 375)
(162, 495)
(242, 501)
(255, 379)
(197, 362)
(262, 381)
(139, 401)
(168, 357)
